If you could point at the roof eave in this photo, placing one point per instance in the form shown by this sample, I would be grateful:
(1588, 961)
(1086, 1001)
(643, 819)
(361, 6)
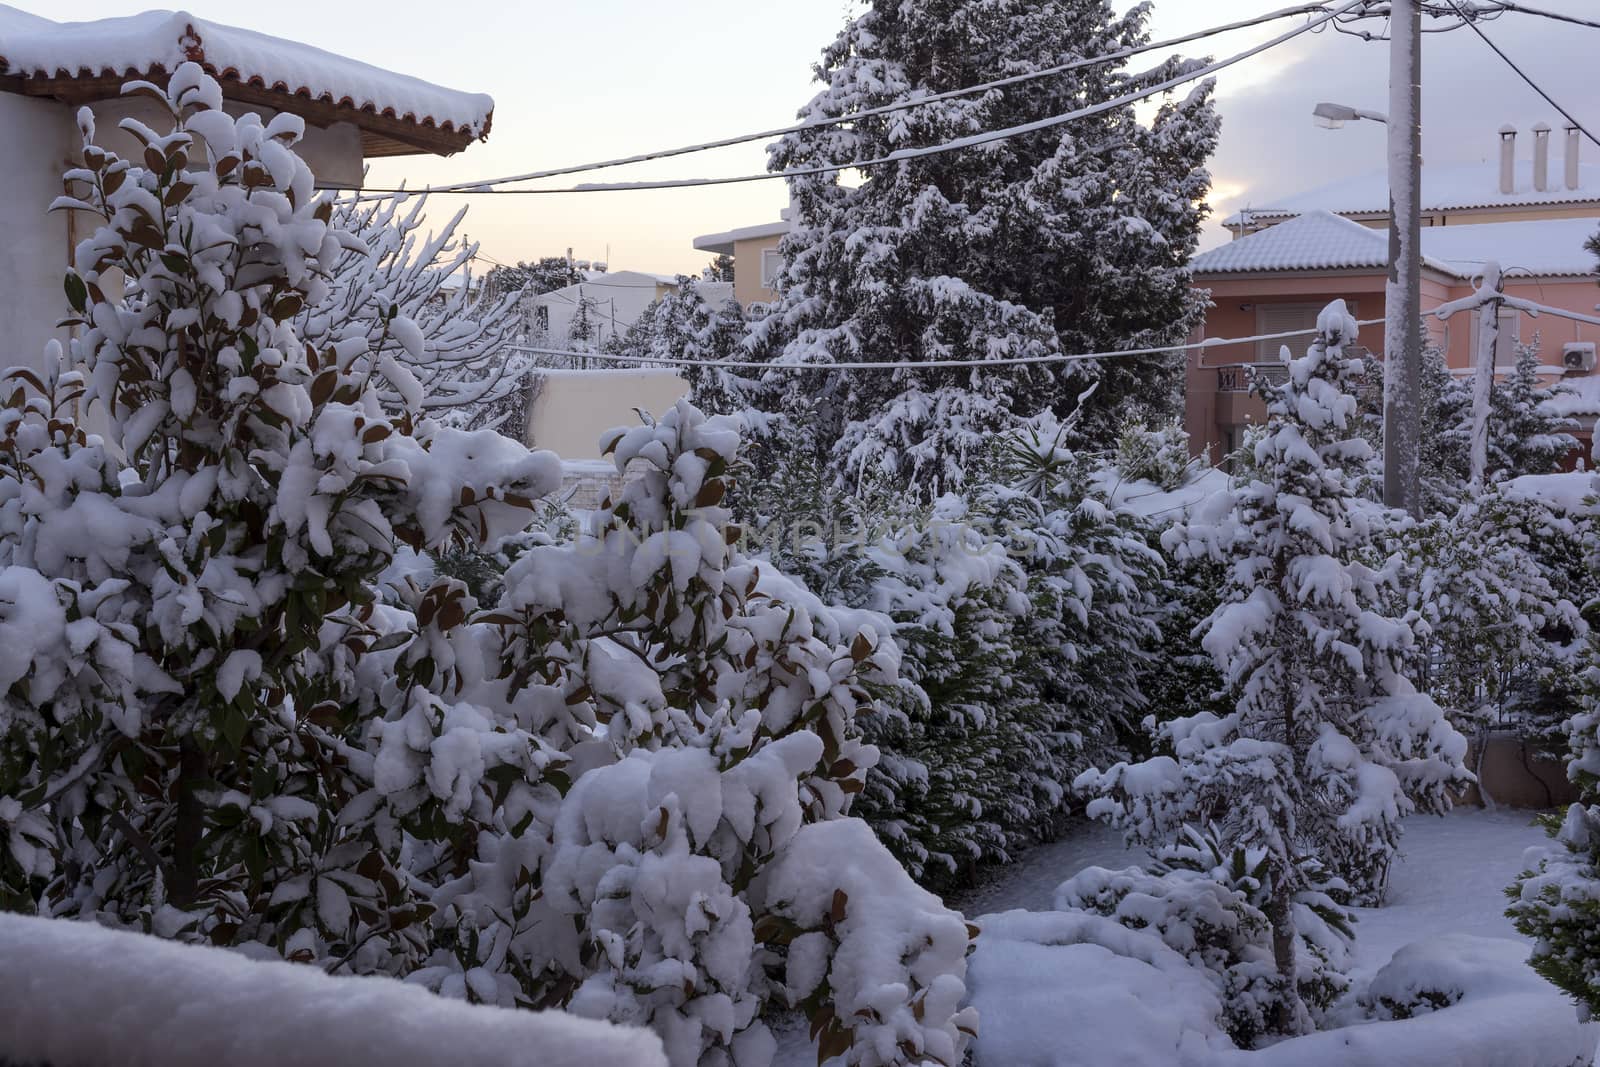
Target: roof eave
(381, 134)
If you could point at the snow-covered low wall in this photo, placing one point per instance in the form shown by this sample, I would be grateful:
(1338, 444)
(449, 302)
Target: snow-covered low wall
(77, 995)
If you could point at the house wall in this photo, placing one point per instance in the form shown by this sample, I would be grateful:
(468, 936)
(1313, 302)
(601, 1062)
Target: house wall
(1210, 415)
(572, 408)
(38, 244)
(747, 287)
(42, 138)
(614, 307)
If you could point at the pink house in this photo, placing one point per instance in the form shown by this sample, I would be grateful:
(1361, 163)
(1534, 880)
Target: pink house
(1286, 263)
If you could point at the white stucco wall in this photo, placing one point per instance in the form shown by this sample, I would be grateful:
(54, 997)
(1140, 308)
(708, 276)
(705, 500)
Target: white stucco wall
(40, 140)
(573, 408)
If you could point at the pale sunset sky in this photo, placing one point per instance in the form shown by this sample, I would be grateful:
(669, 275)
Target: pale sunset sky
(579, 82)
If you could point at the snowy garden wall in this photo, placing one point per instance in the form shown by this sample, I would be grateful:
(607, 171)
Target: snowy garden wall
(73, 994)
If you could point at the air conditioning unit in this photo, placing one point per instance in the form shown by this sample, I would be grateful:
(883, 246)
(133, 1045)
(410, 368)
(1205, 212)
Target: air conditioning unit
(1578, 355)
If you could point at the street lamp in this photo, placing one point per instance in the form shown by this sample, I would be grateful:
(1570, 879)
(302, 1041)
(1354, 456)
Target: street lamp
(1334, 116)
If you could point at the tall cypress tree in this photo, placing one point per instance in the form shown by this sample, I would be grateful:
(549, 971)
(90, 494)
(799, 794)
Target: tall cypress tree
(1072, 238)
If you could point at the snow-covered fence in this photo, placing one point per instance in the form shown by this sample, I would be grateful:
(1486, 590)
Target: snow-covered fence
(73, 994)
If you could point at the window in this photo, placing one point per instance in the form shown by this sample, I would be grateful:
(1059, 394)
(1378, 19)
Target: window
(1286, 318)
(541, 317)
(771, 264)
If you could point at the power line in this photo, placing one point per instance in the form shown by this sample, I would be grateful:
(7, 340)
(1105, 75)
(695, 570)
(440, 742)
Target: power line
(1507, 5)
(1524, 75)
(1009, 361)
(904, 105)
(972, 141)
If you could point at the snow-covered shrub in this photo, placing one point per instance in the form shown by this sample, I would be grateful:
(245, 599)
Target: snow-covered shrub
(457, 341)
(1158, 456)
(1206, 903)
(234, 710)
(1329, 744)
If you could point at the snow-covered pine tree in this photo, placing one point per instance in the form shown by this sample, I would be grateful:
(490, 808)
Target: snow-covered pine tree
(1072, 238)
(1443, 464)
(1329, 744)
(1557, 901)
(1496, 626)
(685, 325)
(1525, 437)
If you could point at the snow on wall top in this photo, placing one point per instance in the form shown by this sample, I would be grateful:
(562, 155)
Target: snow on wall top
(1316, 240)
(1445, 187)
(76, 993)
(34, 47)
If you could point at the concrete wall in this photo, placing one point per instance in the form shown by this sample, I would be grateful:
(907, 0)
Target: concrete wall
(571, 409)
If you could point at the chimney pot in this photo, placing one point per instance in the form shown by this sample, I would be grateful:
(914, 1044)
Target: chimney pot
(1573, 143)
(1508, 159)
(1541, 157)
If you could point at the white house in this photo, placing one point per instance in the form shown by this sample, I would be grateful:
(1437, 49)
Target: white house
(353, 112)
(611, 302)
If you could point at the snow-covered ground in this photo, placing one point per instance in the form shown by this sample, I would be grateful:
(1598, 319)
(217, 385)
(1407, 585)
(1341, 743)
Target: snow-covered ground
(1450, 878)
(1448, 883)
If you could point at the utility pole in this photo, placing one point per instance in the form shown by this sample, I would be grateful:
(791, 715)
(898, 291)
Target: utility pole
(1402, 334)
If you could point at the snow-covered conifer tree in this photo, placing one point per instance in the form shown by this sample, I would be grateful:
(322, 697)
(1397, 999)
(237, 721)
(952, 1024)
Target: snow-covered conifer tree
(685, 325)
(1329, 744)
(1524, 436)
(1074, 238)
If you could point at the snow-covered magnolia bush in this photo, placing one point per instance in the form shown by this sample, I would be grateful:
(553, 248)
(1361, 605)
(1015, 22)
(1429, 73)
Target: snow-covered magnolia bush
(227, 713)
(1329, 745)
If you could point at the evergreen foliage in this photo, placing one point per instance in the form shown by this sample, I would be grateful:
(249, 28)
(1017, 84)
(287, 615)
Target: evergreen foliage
(1074, 238)
(1329, 744)
(227, 717)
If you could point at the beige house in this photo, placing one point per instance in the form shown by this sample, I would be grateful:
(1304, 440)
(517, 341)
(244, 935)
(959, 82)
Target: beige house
(353, 112)
(755, 258)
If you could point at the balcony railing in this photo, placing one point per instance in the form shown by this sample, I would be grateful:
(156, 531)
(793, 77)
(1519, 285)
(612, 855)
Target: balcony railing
(1238, 377)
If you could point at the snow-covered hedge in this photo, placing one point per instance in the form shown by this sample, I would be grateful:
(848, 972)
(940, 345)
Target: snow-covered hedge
(227, 717)
(74, 994)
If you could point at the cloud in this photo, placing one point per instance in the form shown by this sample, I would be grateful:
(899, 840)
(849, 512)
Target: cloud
(1270, 147)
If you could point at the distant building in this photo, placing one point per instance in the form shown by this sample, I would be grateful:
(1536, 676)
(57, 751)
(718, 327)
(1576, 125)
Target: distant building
(354, 112)
(756, 261)
(613, 301)
(1289, 261)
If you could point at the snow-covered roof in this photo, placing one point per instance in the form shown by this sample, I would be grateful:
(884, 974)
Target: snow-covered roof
(1316, 240)
(1321, 240)
(1578, 397)
(1544, 247)
(78, 61)
(722, 243)
(1445, 187)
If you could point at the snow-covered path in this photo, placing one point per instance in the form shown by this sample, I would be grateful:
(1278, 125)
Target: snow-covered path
(1450, 878)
